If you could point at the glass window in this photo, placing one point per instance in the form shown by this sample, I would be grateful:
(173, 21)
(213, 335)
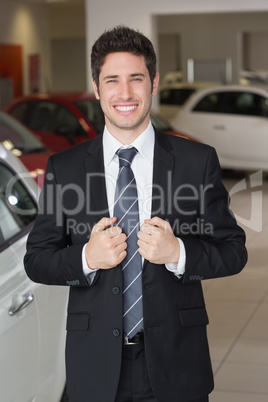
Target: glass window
(233, 102)
(19, 111)
(65, 122)
(209, 104)
(244, 103)
(42, 116)
(53, 117)
(264, 106)
(175, 96)
(17, 208)
(16, 137)
(92, 111)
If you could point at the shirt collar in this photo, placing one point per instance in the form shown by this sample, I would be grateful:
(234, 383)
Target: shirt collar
(144, 144)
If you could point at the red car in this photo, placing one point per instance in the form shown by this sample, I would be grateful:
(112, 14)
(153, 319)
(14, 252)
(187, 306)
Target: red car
(63, 120)
(21, 142)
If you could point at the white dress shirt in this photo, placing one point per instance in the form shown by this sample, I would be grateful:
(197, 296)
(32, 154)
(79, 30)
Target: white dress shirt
(142, 166)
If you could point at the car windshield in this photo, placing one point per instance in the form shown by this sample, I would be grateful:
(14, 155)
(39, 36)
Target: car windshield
(15, 137)
(92, 111)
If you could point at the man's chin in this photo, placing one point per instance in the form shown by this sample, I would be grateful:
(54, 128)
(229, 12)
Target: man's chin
(127, 125)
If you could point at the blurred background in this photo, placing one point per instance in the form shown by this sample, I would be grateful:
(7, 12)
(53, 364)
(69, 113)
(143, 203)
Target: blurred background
(45, 45)
(213, 64)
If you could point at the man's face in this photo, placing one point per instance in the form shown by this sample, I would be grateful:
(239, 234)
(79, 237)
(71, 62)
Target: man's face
(125, 93)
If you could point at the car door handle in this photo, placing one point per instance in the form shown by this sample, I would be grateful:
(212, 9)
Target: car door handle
(27, 299)
(219, 127)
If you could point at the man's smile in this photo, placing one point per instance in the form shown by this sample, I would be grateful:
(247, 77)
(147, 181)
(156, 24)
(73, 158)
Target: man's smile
(126, 108)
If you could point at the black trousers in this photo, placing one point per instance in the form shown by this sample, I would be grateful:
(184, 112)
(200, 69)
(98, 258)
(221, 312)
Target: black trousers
(134, 384)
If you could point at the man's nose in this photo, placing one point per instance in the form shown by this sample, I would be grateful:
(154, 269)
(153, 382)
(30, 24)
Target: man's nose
(125, 91)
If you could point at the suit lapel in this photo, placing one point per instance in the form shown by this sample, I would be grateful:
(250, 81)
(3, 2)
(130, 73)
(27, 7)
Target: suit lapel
(162, 175)
(96, 187)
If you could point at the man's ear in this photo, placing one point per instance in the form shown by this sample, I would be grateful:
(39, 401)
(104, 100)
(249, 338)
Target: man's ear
(95, 88)
(155, 84)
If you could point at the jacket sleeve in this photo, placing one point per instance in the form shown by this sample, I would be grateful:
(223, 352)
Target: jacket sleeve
(50, 257)
(220, 250)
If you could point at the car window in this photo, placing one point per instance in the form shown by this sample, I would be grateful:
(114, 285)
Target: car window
(244, 103)
(233, 102)
(91, 109)
(175, 96)
(65, 121)
(264, 105)
(19, 111)
(17, 208)
(53, 117)
(209, 103)
(16, 137)
(42, 116)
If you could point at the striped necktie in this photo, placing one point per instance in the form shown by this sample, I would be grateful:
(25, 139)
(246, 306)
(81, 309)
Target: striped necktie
(127, 212)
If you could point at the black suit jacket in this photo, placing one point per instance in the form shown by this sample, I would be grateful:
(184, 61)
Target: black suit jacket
(188, 193)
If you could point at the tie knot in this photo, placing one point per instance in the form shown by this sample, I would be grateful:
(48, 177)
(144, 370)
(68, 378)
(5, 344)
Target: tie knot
(126, 156)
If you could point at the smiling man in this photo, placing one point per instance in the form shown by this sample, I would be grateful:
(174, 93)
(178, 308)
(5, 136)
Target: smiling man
(126, 95)
(136, 325)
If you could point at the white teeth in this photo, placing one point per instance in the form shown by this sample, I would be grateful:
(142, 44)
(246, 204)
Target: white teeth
(125, 108)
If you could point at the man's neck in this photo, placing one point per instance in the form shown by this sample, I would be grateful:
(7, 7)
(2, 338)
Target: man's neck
(125, 136)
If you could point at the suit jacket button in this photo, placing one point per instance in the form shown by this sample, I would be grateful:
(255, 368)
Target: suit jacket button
(116, 332)
(116, 290)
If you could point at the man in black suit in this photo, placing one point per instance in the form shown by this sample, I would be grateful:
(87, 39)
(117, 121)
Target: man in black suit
(187, 233)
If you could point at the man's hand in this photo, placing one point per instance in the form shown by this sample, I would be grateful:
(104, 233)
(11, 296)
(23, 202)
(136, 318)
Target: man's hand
(106, 248)
(157, 242)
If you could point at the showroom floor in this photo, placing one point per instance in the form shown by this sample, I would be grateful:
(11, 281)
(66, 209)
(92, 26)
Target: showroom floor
(238, 305)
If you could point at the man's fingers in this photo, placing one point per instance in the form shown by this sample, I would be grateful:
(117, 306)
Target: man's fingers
(158, 222)
(119, 239)
(150, 229)
(143, 236)
(121, 256)
(103, 223)
(120, 248)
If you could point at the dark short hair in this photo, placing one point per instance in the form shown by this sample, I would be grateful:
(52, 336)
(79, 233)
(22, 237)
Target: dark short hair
(122, 39)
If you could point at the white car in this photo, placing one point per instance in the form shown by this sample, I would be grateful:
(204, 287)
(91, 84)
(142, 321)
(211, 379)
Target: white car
(249, 77)
(173, 96)
(32, 316)
(173, 77)
(234, 120)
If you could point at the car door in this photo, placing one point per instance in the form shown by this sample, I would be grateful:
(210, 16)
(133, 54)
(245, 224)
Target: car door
(242, 137)
(32, 316)
(234, 122)
(19, 328)
(201, 118)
